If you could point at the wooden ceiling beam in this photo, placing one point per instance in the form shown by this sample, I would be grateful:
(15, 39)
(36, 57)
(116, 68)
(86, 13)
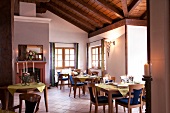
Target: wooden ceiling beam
(71, 16)
(95, 11)
(34, 1)
(143, 15)
(133, 5)
(82, 14)
(16, 7)
(118, 24)
(125, 8)
(61, 15)
(40, 8)
(116, 11)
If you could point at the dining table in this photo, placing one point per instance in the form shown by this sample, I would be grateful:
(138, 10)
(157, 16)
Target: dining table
(112, 88)
(19, 88)
(6, 111)
(84, 78)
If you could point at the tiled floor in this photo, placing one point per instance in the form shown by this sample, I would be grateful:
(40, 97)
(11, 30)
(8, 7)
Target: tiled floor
(60, 102)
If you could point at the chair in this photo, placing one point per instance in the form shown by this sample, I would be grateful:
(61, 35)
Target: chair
(78, 71)
(94, 73)
(75, 85)
(134, 98)
(31, 100)
(95, 99)
(112, 79)
(62, 78)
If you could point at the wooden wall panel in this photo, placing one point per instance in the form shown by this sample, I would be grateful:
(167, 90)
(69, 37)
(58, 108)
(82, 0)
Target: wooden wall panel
(6, 40)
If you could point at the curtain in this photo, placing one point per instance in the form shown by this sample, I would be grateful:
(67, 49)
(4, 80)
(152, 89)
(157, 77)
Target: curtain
(52, 63)
(76, 48)
(102, 53)
(87, 65)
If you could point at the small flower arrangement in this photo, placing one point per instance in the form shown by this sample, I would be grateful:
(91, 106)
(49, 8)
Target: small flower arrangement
(25, 79)
(31, 54)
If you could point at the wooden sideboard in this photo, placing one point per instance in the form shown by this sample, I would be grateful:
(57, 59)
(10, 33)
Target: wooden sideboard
(29, 64)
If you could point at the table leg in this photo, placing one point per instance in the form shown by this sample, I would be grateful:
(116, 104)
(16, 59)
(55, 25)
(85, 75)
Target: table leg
(84, 89)
(10, 102)
(46, 99)
(110, 110)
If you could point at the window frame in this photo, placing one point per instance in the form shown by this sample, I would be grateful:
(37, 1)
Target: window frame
(99, 57)
(63, 57)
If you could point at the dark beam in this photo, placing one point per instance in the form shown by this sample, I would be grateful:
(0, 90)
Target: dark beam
(143, 15)
(82, 14)
(72, 16)
(119, 24)
(116, 11)
(40, 8)
(16, 7)
(95, 11)
(136, 22)
(125, 8)
(34, 1)
(133, 5)
(65, 17)
(107, 28)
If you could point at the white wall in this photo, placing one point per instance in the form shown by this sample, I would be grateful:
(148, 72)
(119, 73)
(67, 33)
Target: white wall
(160, 55)
(31, 33)
(115, 63)
(137, 50)
(63, 31)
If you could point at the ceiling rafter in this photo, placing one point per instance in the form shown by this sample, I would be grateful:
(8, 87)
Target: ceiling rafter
(67, 18)
(143, 15)
(118, 24)
(16, 7)
(116, 11)
(34, 1)
(40, 8)
(75, 17)
(125, 8)
(133, 5)
(95, 11)
(84, 15)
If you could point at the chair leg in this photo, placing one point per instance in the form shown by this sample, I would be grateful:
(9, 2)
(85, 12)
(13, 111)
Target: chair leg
(124, 109)
(70, 91)
(79, 92)
(74, 92)
(90, 106)
(129, 110)
(140, 108)
(103, 108)
(96, 108)
(116, 105)
(61, 84)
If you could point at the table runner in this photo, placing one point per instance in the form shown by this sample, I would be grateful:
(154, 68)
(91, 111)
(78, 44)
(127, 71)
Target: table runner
(6, 111)
(12, 88)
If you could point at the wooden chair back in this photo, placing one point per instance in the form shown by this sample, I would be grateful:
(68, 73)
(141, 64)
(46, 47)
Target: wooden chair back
(31, 101)
(132, 89)
(94, 73)
(113, 78)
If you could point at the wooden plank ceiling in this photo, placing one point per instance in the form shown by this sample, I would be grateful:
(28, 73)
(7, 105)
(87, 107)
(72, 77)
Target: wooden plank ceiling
(93, 15)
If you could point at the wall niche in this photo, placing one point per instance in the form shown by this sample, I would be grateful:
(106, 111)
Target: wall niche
(30, 52)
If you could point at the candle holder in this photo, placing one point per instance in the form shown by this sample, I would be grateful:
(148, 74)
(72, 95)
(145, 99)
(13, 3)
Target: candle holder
(147, 80)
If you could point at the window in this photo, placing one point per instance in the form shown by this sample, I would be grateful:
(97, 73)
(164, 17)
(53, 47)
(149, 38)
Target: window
(96, 57)
(64, 57)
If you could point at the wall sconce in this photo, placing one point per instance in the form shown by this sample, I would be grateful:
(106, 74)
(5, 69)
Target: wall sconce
(113, 42)
(108, 45)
